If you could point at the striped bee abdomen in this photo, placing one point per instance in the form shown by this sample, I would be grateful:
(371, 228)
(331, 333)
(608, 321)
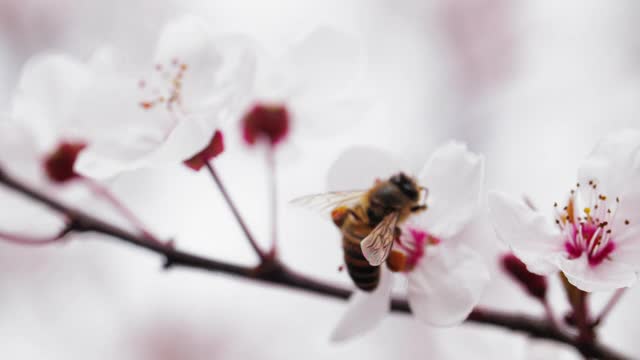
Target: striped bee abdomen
(365, 276)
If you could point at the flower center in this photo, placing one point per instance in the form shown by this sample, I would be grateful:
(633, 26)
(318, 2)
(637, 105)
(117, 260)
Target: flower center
(413, 243)
(164, 86)
(586, 223)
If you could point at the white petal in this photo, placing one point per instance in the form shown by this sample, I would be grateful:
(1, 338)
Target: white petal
(455, 179)
(317, 117)
(47, 93)
(627, 250)
(187, 42)
(325, 63)
(628, 209)
(358, 167)
(219, 70)
(116, 127)
(534, 240)
(613, 163)
(608, 275)
(19, 153)
(365, 310)
(445, 287)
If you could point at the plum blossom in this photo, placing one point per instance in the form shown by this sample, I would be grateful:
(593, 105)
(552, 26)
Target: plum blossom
(133, 114)
(308, 89)
(48, 170)
(445, 277)
(594, 238)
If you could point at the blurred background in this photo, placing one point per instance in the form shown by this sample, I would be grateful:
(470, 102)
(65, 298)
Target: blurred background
(532, 85)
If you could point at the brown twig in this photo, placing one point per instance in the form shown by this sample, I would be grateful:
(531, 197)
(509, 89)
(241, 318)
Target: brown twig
(272, 271)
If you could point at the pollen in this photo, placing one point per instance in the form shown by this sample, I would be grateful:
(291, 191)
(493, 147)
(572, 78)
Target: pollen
(164, 86)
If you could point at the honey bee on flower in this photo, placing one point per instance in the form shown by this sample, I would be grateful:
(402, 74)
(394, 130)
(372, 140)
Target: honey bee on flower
(406, 225)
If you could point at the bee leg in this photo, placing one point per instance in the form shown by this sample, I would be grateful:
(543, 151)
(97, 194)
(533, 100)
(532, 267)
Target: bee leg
(418, 208)
(339, 215)
(397, 261)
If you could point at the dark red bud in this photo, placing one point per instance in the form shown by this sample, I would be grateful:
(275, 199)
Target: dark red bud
(270, 122)
(213, 149)
(59, 164)
(534, 284)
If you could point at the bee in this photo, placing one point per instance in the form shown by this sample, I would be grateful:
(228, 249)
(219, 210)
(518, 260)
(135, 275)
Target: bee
(368, 221)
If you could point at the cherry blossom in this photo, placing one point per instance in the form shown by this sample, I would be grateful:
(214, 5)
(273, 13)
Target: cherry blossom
(312, 83)
(593, 236)
(47, 169)
(445, 276)
(134, 114)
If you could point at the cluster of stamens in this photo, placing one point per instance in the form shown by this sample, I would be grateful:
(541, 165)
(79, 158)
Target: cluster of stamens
(586, 223)
(161, 94)
(413, 243)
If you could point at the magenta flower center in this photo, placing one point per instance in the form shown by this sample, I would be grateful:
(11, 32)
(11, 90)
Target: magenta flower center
(586, 224)
(413, 243)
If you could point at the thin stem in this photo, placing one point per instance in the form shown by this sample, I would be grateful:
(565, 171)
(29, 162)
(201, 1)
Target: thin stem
(550, 315)
(235, 212)
(610, 305)
(273, 188)
(272, 271)
(106, 195)
(34, 240)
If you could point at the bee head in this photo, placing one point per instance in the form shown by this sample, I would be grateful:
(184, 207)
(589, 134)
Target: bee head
(406, 185)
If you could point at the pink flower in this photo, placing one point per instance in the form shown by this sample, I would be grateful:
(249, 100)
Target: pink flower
(270, 122)
(594, 236)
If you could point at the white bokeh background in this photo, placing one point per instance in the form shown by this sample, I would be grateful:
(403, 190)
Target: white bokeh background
(530, 84)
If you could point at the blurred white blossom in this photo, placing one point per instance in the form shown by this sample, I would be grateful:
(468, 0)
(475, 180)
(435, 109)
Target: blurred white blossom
(314, 80)
(135, 115)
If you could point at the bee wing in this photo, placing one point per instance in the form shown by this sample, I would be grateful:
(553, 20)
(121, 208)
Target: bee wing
(377, 245)
(326, 202)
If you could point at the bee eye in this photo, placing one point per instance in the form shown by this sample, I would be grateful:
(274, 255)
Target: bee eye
(409, 190)
(405, 184)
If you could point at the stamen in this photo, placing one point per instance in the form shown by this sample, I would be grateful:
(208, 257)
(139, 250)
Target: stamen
(588, 231)
(170, 95)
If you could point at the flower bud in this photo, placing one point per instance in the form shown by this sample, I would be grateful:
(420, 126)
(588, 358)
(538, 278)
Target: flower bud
(270, 122)
(213, 149)
(59, 164)
(535, 285)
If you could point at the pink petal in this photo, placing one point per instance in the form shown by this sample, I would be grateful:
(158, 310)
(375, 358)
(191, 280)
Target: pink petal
(608, 275)
(528, 233)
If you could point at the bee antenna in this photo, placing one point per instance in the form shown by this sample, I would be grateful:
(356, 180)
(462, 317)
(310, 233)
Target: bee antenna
(425, 192)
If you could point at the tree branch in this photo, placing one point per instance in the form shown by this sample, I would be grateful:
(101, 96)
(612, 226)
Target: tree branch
(272, 271)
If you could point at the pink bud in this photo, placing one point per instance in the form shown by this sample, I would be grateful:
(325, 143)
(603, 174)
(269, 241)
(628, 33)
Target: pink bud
(266, 121)
(213, 149)
(59, 164)
(534, 284)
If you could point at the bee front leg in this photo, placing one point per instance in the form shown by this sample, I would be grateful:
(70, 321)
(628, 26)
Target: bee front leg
(418, 208)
